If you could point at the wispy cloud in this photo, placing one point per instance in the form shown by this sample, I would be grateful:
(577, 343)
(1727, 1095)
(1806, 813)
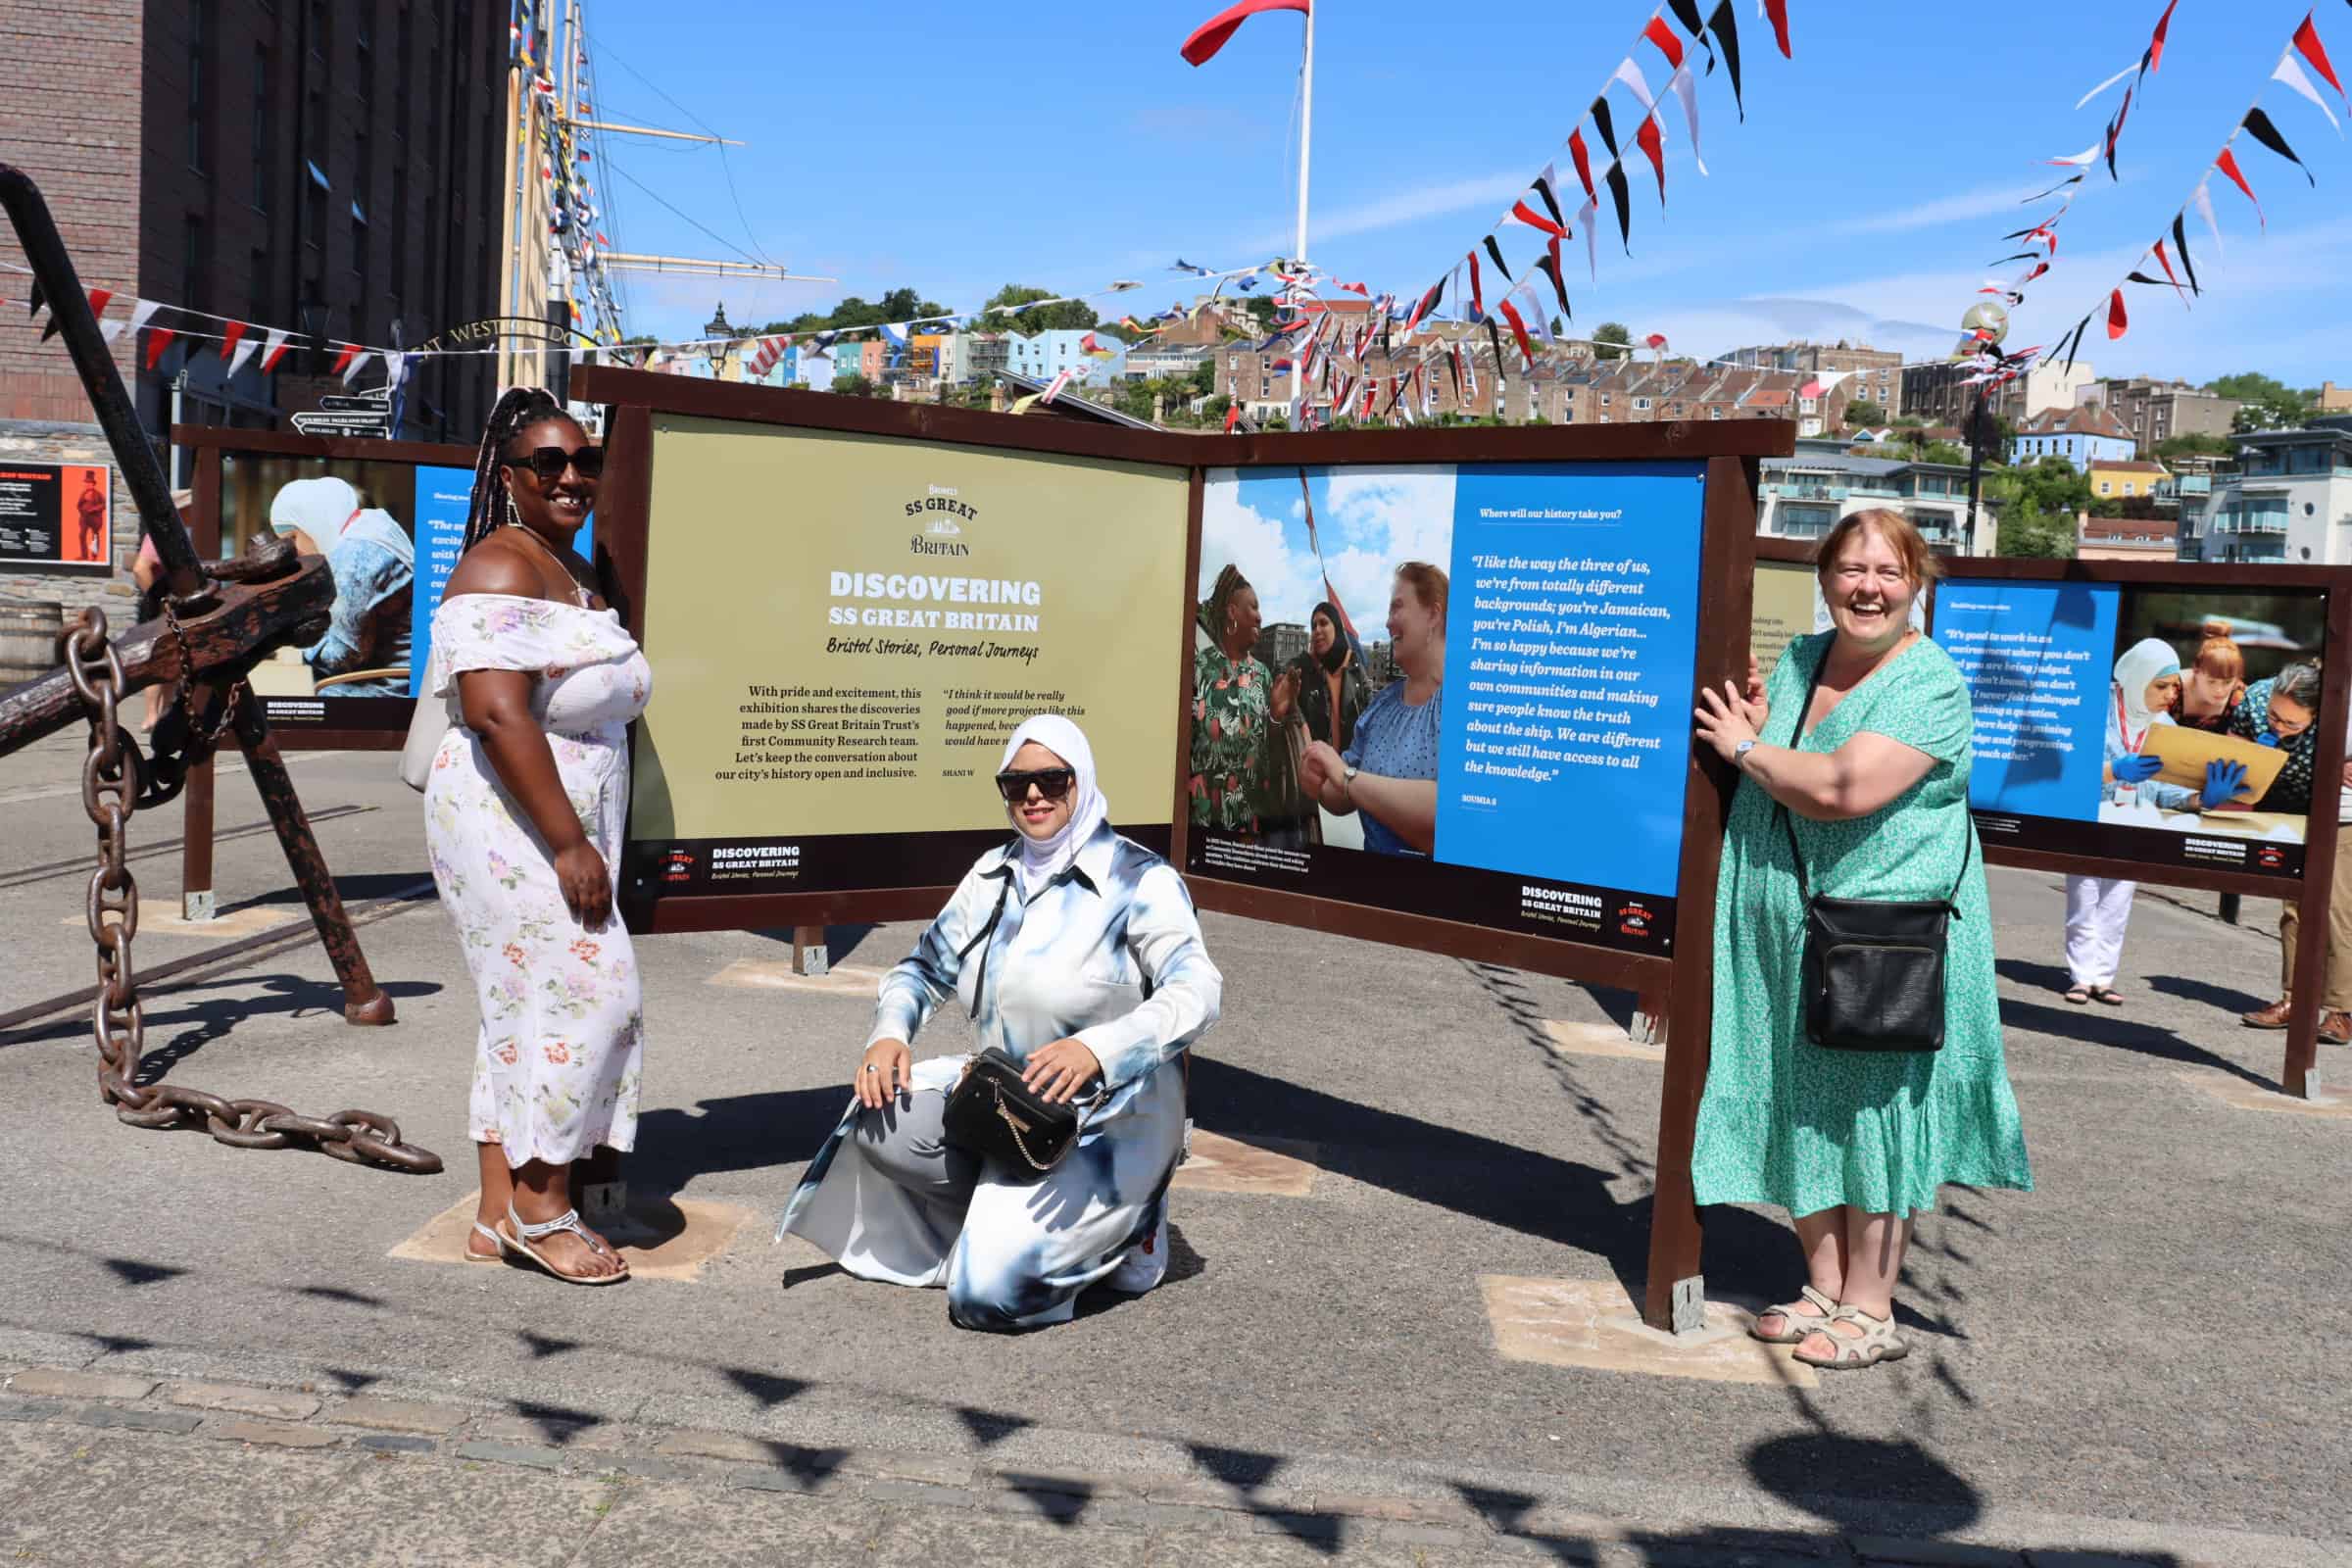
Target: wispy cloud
(1960, 207)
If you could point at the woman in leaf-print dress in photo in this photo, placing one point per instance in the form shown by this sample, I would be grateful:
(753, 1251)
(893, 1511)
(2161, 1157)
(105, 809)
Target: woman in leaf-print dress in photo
(1236, 705)
(523, 815)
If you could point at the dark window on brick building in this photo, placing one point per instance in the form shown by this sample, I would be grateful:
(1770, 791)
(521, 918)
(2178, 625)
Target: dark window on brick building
(192, 269)
(260, 129)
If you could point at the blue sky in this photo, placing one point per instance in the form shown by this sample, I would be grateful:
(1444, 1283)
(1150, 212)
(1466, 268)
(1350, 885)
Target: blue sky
(957, 147)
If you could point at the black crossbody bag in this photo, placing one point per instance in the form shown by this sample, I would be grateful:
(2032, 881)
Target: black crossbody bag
(1873, 968)
(992, 1113)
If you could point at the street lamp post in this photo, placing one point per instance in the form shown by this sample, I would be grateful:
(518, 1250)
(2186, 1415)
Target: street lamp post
(719, 334)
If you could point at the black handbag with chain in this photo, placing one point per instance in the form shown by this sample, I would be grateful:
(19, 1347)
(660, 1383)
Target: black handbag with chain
(990, 1113)
(1873, 968)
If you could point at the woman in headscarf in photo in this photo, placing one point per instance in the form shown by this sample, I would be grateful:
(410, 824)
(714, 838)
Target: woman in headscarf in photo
(1331, 691)
(375, 563)
(2146, 689)
(1075, 952)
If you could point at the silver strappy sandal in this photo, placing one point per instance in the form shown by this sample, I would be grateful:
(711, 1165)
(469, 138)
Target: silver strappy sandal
(569, 1220)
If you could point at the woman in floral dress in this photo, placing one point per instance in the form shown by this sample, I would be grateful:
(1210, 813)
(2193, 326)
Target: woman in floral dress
(524, 816)
(1236, 705)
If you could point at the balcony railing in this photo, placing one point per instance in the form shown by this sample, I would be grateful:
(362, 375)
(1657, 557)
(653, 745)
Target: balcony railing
(2267, 525)
(1809, 490)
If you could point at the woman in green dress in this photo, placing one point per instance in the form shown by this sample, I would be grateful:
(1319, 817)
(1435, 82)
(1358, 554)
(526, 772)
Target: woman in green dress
(1874, 780)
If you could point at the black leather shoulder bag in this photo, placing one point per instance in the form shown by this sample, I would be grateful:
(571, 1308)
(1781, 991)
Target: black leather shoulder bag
(1873, 968)
(992, 1113)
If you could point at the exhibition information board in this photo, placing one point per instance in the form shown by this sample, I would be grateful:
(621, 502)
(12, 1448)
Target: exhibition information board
(845, 630)
(55, 517)
(1505, 652)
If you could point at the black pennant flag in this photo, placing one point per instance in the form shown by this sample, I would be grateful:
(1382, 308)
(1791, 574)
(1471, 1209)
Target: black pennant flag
(2259, 124)
(2021, 256)
(2142, 277)
(2073, 340)
(1619, 194)
(1454, 358)
(1494, 337)
(2180, 247)
(1495, 251)
(1604, 125)
(38, 299)
(1549, 264)
(1685, 11)
(1727, 33)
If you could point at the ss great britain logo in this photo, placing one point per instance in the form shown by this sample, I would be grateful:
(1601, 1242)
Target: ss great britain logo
(943, 535)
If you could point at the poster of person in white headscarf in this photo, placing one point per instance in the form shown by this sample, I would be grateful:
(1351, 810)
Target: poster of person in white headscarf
(2176, 727)
(373, 521)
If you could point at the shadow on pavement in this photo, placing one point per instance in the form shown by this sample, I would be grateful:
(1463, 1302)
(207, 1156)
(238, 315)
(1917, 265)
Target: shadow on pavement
(2113, 1029)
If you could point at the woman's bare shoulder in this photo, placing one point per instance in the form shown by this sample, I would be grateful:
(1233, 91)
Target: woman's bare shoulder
(494, 567)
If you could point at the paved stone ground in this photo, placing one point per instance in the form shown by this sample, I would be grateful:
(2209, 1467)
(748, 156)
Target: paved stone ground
(2132, 1360)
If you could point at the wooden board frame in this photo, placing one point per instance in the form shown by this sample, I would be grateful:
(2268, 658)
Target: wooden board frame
(1731, 452)
(2319, 830)
(212, 442)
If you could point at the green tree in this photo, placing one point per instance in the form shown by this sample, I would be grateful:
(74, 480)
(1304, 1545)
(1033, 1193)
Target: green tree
(2270, 404)
(1943, 452)
(852, 385)
(2026, 531)
(1863, 413)
(1611, 341)
(1063, 315)
(2195, 446)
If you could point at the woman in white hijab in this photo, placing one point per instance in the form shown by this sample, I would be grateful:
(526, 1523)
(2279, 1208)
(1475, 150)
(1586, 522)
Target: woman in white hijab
(1076, 953)
(2147, 681)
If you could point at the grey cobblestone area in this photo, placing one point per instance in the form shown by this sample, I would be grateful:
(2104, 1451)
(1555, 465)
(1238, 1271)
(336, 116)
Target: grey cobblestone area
(650, 1492)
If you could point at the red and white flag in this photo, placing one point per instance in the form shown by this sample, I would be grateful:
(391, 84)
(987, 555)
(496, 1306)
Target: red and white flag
(231, 336)
(274, 351)
(1054, 389)
(1211, 36)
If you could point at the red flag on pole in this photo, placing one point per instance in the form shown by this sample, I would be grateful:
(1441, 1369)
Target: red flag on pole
(1211, 35)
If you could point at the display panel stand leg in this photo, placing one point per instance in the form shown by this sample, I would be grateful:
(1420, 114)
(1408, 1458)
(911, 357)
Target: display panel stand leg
(1649, 1020)
(196, 902)
(808, 955)
(363, 1001)
(2229, 908)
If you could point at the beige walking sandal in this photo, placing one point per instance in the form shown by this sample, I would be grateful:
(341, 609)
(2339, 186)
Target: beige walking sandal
(570, 1220)
(1875, 1344)
(1796, 1326)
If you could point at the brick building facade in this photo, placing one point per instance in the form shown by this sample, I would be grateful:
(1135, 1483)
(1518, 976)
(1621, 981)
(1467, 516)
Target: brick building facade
(326, 166)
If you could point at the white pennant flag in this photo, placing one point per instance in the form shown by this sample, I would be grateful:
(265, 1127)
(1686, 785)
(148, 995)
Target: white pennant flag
(2087, 156)
(111, 328)
(2290, 70)
(351, 371)
(1685, 87)
(396, 369)
(1638, 84)
(276, 347)
(1585, 217)
(140, 312)
(2204, 204)
(1539, 321)
(241, 353)
(2109, 82)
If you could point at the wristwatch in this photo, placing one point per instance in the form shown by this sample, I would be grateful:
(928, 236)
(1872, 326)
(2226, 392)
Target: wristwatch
(1348, 786)
(1740, 750)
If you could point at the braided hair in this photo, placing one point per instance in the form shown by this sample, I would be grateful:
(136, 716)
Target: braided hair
(492, 506)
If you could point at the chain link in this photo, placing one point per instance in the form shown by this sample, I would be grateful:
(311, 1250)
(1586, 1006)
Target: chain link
(109, 794)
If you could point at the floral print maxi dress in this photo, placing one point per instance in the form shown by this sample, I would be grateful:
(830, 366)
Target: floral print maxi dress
(557, 1064)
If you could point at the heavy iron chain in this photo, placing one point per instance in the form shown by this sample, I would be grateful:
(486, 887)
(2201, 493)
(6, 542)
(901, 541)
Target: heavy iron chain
(109, 794)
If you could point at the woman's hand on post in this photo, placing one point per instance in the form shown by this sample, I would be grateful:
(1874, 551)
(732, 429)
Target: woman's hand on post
(1058, 1071)
(1758, 709)
(1723, 719)
(587, 885)
(886, 1069)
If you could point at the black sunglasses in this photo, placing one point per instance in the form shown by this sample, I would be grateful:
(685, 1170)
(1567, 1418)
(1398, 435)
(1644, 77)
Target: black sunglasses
(549, 463)
(1053, 783)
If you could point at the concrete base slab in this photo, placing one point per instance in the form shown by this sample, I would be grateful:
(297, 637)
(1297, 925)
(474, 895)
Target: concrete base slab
(844, 980)
(2235, 1091)
(671, 1241)
(163, 915)
(1599, 1040)
(1590, 1323)
(1272, 1168)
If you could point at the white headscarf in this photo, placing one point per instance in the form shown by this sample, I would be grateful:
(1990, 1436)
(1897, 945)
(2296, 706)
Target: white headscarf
(320, 508)
(2148, 659)
(1043, 859)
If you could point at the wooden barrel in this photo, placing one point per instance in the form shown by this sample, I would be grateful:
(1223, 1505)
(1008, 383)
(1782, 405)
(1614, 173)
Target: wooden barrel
(28, 639)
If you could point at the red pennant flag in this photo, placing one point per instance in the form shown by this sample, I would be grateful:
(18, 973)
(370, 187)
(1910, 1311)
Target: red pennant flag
(1211, 35)
(2166, 262)
(98, 299)
(1654, 145)
(2118, 323)
(1358, 288)
(2307, 43)
(1583, 162)
(2156, 44)
(1669, 45)
(1478, 301)
(1233, 416)
(231, 338)
(2228, 165)
(1656, 340)
(351, 352)
(159, 338)
(1518, 327)
(1523, 214)
(1777, 12)
(275, 351)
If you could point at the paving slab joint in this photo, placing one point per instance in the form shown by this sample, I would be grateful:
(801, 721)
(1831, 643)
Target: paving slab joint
(60, 1383)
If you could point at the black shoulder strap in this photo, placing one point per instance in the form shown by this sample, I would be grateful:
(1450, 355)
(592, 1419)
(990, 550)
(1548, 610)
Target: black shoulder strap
(993, 915)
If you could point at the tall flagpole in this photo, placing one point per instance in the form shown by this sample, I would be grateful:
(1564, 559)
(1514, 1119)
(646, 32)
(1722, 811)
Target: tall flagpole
(1307, 128)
